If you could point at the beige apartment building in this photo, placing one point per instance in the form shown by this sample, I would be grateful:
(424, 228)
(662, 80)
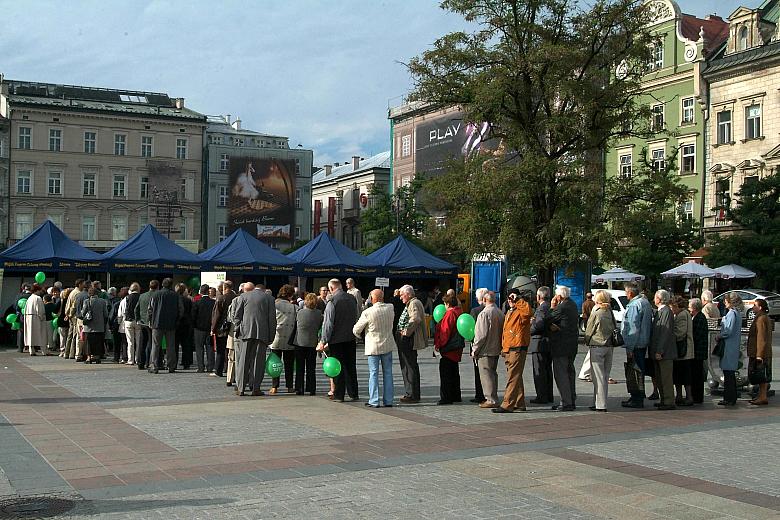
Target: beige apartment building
(744, 111)
(101, 163)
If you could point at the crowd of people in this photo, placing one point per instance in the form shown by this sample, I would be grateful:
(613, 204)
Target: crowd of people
(228, 333)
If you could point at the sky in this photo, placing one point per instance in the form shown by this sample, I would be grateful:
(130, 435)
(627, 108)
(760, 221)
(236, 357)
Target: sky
(321, 72)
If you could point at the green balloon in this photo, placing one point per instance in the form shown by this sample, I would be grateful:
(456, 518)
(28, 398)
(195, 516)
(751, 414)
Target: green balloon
(164, 343)
(11, 318)
(16, 325)
(22, 303)
(55, 323)
(194, 282)
(273, 365)
(40, 277)
(438, 312)
(331, 366)
(466, 326)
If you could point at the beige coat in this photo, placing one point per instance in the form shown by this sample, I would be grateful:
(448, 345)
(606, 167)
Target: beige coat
(711, 311)
(683, 329)
(35, 322)
(376, 323)
(598, 331)
(416, 325)
(488, 332)
(759, 344)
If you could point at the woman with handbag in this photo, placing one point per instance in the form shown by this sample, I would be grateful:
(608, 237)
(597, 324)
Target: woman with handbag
(599, 338)
(730, 328)
(94, 315)
(450, 344)
(307, 326)
(285, 329)
(759, 351)
(683, 365)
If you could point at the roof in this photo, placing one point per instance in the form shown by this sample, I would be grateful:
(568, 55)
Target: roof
(716, 30)
(79, 98)
(218, 124)
(48, 247)
(148, 250)
(244, 253)
(743, 57)
(402, 258)
(326, 256)
(380, 160)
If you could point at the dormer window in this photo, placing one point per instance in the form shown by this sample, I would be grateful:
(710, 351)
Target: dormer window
(742, 43)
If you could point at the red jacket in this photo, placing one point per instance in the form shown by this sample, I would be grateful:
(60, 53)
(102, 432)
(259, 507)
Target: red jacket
(446, 328)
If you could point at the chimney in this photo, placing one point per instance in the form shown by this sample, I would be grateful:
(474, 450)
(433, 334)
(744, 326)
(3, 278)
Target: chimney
(236, 124)
(336, 165)
(179, 102)
(227, 118)
(355, 162)
(713, 17)
(328, 169)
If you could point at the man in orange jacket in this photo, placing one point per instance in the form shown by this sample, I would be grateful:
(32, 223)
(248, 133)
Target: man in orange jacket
(514, 349)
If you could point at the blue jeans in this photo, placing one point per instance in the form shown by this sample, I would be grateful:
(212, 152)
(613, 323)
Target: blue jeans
(386, 360)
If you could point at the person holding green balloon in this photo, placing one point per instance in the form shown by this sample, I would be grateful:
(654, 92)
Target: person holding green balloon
(21, 300)
(450, 344)
(375, 325)
(35, 331)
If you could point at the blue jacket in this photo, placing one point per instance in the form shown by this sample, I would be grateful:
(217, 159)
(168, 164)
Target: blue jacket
(637, 323)
(730, 329)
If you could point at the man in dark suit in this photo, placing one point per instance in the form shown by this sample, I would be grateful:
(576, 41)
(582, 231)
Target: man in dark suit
(201, 321)
(540, 348)
(564, 333)
(340, 318)
(663, 349)
(256, 324)
(165, 310)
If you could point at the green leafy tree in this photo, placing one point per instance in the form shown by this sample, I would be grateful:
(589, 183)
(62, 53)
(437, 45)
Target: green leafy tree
(758, 245)
(391, 215)
(542, 72)
(648, 232)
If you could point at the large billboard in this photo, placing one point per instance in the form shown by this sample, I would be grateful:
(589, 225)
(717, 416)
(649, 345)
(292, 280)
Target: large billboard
(449, 137)
(262, 197)
(163, 190)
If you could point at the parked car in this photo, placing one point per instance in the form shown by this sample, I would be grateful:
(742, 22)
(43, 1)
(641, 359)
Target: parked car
(618, 301)
(749, 296)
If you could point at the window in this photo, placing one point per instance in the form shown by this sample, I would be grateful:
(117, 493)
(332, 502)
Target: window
(625, 165)
(223, 197)
(88, 227)
(658, 159)
(656, 56)
(297, 232)
(297, 199)
(55, 183)
(181, 148)
(24, 182)
(143, 219)
(118, 227)
(297, 166)
(55, 140)
(722, 193)
(224, 162)
(221, 232)
(90, 142)
(687, 111)
(90, 179)
(119, 186)
(183, 190)
(688, 163)
(724, 127)
(25, 137)
(686, 210)
(749, 181)
(658, 117)
(406, 145)
(120, 142)
(55, 219)
(753, 122)
(183, 229)
(144, 191)
(128, 98)
(146, 146)
(743, 39)
(23, 225)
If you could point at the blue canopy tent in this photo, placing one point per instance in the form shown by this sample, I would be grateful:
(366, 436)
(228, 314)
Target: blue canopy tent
(402, 258)
(149, 251)
(325, 256)
(49, 248)
(242, 253)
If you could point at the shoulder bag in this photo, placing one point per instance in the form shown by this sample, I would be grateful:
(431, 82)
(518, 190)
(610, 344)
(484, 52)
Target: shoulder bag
(616, 338)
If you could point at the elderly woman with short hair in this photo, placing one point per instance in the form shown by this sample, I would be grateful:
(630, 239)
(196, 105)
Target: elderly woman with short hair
(701, 338)
(759, 349)
(663, 350)
(308, 323)
(598, 337)
(683, 335)
(281, 345)
(709, 308)
(730, 329)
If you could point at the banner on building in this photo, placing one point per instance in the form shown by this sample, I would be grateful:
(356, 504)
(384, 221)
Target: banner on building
(262, 197)
(449, 137)
(164, 192)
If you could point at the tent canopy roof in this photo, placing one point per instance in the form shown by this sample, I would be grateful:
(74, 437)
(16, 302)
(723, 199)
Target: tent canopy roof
(734, 271)
(691, 269)
(148, 249)
(327, 256)
(242, 249)
(402, 257)
(47, 246)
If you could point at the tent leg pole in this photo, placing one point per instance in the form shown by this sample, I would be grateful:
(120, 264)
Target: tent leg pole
(108, 280)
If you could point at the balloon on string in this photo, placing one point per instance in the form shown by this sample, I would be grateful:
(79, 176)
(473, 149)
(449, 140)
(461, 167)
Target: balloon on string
(40, 277)
(164, 343)
(22, 303)
(11, 319)
(331, 366)
(193, 282)
(438, 312)
(55, 323)
(466, 326)
(273, 365)
(16, 325)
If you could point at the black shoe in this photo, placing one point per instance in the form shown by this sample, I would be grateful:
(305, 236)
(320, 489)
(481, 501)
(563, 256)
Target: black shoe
(538, 401)
(312, 393)
(653, 396)
(141, 367)
(441, 402)
(601, 409)
(592, 408)
(228, 384)
(388, 406)
(727, 403)
(171, 371)
(186, 368)
(299, 392)
(564, 408)
(199, 371)
(501, 410)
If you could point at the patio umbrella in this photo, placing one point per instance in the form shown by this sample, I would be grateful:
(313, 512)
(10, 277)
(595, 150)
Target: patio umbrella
(617, 274)
(690, 270)
(734, 271)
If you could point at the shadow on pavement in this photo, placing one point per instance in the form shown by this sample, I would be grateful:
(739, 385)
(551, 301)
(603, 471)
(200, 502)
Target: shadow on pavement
(103, 507)
(67, 399)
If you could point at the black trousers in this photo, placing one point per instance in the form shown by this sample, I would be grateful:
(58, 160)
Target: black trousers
(410, 370)
(698, 378)
(185, 340)
(143, 346)
(288, 359)
(730, 386)
(95, 344)
(120, 346)
(305, 369)
(449, 385)
(346, 382)
(479, 395)
(219, 358)
(543, 376)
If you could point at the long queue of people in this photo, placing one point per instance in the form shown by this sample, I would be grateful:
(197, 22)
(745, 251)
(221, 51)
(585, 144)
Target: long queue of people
(225, 333)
